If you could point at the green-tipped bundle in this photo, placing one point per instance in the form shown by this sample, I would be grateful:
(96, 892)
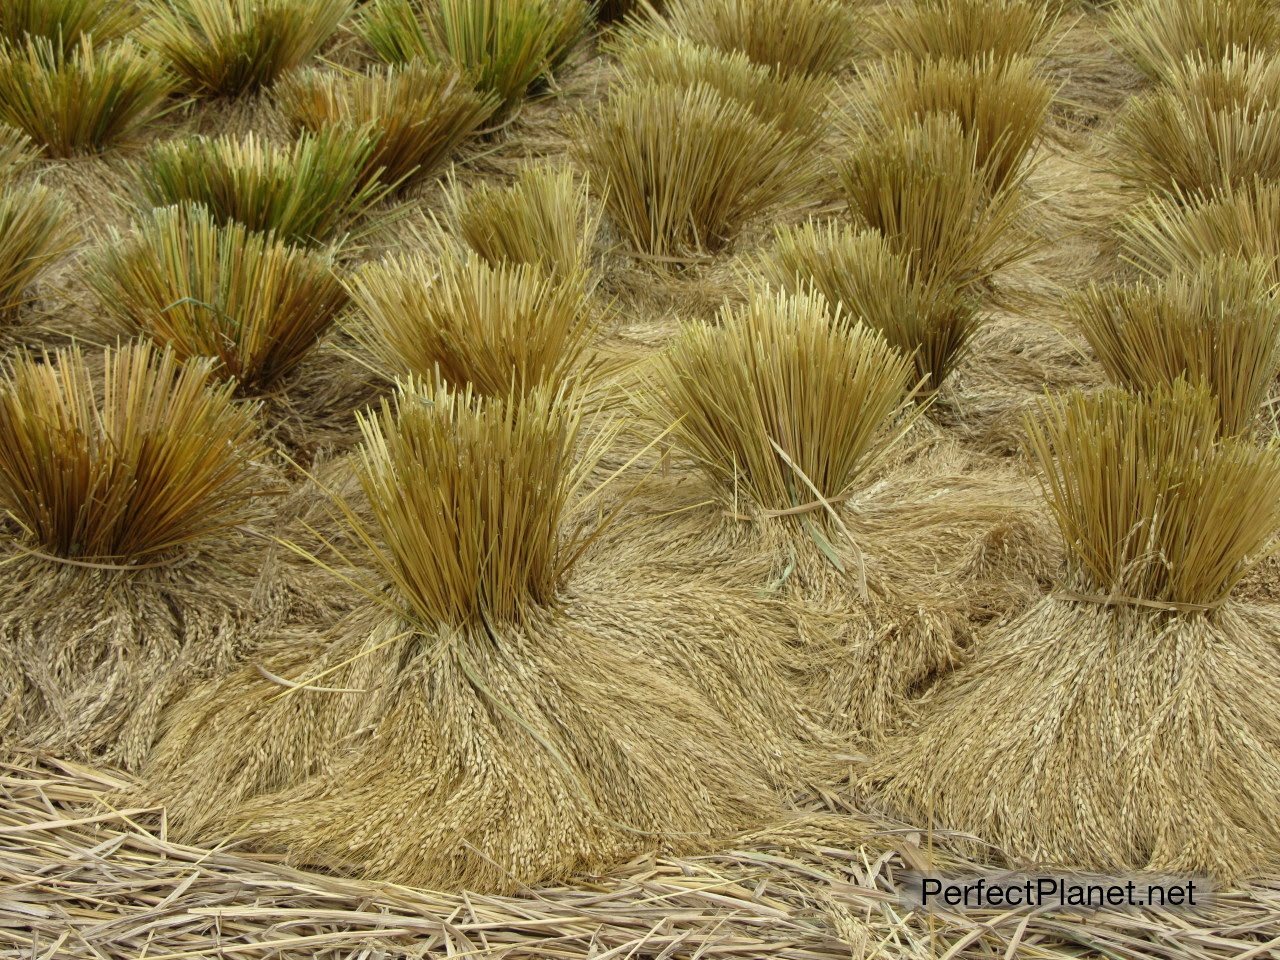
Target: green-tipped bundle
(780, 402)
(966, 29)
(35, 230)
(308, 192)
(1219, 326)
(64, 22)
(252, 305)
(685, 168)
(932, 323)
(1161, 36)
(225, 48)
(83, 101)
(419, 113)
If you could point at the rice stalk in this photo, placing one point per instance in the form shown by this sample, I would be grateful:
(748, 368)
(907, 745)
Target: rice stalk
(226, 48)
(250, 304)
(857, 271)
(64, 22)
(965, 29)
(685, 169)
(1160, 37)
(82, 101)
(496, 330)
(307, 193)
(35, 231)
(16, 151)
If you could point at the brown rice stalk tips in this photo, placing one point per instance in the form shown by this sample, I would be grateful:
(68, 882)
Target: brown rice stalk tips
(35, 232)
(965, 29)
(1135, 708)
(931, 322)
(1219, 325)
(499, 329)
(308, 192)
(1160, 37)
(480, 724)
(421, 113)
(226, 48)
(683, 169)
(1213, 127)
(122, 492)
(546, 217)
(64, 22)
(252, 305)
(81, 101)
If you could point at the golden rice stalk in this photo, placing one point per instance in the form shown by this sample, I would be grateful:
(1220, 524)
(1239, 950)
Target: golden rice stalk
(684, 169)
(225, 48)
(1214, 126)
(794, 102)
(1160, 36)
(147, 459)
(79, 102)
(35, 230)
(1219, 325)
(1003, 103)
(16, 151)
(543, 218)
(504, 46)
(922, 187)
(64, 22)
(420, 113)
(966, 29)
(307, 192)
(1163, 236)
(499, 329)
(249, 303)
(857, 271)
(779, 399)
(809, 37)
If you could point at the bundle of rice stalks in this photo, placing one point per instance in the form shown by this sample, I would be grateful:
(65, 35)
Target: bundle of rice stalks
(1213, 127)
(64, 22)
(307, 192)
(1162, 236)
(794, 102)
(35, 230)
(1001, 103)
(684, 169)
(505, 47)
(1160, 36)
(225, 48)
(966, 29)
(930, 322)
(1219, 325)
(809, 37)
(514, 736)
(1134, 710)
(923, 187)
(82, 101)
(119, 491)
(16, 151)
(420, 113)
(500, 328)
(543, 218)
(253, 305)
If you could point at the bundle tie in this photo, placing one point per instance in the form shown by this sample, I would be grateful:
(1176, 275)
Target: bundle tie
(1118, 600)
(810, 507)
(90, 565)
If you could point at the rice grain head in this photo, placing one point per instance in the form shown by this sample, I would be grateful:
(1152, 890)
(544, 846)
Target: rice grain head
(35, 231)
(64, 22)
(966, 29)
(1160, 37)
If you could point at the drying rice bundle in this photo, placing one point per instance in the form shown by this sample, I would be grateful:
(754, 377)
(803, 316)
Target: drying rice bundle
(35, 230)
(923, 187)
(1128, 721)
(543, 218)
(121, 494)
(81, 101)
(64, 22)
(306, 193)
(16, 151)
(684, 169)
(966, 29)
(1160, 37)
(505, 47)
(794, 102)
(419, 113)
(807, 37)
(1216, 126)
(244, 300)
(1002, 103)
(225, 48)
(478, 724)
(498, 328)
(930, 322)
(1219, 325)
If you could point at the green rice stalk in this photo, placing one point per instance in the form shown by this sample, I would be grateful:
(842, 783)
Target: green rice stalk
(966, 29)
(1160, 36)
(35, 231)
(64, 22)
